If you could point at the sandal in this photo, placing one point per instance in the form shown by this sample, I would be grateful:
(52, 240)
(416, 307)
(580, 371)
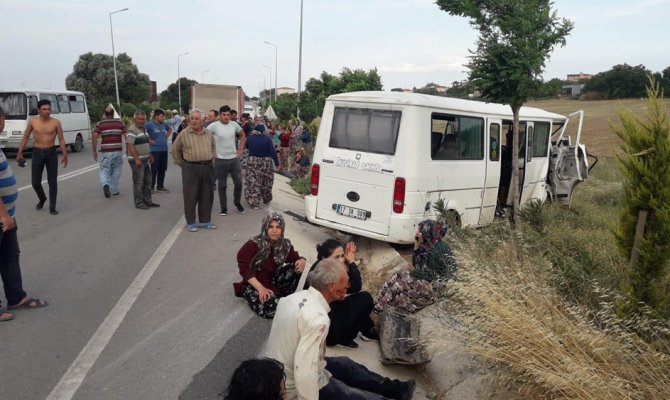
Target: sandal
(6, 316)
(29, 304)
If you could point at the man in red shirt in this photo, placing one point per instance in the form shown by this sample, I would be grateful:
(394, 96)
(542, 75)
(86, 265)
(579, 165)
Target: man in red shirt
(112, 131)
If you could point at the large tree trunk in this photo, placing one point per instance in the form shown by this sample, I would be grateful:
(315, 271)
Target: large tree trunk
(514, 186)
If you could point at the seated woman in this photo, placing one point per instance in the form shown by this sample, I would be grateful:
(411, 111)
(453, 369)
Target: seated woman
(351, 315)
(300, 165)
(269, 266)
(410, 291)
(257, 379)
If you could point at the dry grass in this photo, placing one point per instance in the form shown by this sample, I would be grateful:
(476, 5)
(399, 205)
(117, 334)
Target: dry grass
(509, 314)
(600, 140)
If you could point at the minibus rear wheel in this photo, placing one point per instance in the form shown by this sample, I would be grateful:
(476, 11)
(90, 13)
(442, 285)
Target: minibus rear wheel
(78, 144)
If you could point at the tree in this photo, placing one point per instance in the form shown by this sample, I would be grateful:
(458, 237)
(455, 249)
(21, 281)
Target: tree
(93, 74)
(169, 98)
(622, 81)
(645, 164)
(515, 39)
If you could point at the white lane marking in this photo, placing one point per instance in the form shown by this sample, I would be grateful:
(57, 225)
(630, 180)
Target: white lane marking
(75, 375)
(68, 175)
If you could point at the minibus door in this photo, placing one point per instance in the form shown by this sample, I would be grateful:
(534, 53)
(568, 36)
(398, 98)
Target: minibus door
(492, 177)
(568, 165)
(526, 164)
(523, 145)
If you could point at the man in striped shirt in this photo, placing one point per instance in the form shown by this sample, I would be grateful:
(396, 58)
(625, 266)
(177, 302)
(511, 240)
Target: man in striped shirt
(111, 130)
(140, 159)
(194, 152)
(10, 269)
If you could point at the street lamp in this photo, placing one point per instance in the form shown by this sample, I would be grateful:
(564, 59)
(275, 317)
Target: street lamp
(273, 44)
(116, 79)
(270, 68)
(203, 75)
(300, 64)
(179, 79)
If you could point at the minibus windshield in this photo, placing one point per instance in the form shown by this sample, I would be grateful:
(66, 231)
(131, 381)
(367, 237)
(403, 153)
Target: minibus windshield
(363, 129)
(14, 105)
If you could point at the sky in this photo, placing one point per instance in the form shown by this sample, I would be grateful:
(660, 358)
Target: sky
(410, 42)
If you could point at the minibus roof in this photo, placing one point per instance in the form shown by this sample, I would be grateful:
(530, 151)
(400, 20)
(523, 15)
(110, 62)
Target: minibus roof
(448, 103)
(24, 90)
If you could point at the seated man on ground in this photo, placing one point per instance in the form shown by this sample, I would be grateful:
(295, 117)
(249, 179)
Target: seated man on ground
(298, 338)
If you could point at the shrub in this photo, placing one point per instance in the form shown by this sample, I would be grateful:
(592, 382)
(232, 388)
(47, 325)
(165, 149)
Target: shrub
(301, 185)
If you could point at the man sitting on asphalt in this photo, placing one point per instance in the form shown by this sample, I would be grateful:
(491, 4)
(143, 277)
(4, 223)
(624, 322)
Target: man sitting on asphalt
(298, 340)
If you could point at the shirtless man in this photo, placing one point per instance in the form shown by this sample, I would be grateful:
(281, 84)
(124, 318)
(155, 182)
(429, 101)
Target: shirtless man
(45, 130)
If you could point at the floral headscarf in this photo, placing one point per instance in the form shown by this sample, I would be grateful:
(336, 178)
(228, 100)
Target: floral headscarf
(432, 232)
(279, 248)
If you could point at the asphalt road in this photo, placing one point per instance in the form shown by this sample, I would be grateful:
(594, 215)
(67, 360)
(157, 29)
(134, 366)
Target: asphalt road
(183, 335)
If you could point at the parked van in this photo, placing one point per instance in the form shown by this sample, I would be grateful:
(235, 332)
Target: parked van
(67, 106)
(383, 159)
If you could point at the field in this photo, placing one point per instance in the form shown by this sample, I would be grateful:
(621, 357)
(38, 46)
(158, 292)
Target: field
(599, 138)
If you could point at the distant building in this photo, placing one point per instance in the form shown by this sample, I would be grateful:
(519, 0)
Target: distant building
(153, 96)
(572, 90)
(408, 90)
(285, 90)
(578, 77)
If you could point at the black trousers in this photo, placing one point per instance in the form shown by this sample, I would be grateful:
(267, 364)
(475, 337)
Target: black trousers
(348, 317)
(10, 269)
(45, 158)
(158, 168)
(198, 189)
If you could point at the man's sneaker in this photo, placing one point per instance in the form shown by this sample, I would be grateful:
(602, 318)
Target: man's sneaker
(351, 346)
(240, 208)
(162, 190)
(53, 211)
(116, 194)
(142, 207)
(105, 190)
(208, 225)
(152, 204)
(192, 227)
(371, 335)
(223, 212)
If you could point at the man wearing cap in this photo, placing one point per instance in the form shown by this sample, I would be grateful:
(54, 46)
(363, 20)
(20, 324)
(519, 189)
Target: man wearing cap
(111, 130)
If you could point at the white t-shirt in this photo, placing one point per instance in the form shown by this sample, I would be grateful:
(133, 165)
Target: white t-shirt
(224, 137)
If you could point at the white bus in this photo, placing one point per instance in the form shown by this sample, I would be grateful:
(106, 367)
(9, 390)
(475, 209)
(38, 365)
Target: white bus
(383, 159)
(67, 106)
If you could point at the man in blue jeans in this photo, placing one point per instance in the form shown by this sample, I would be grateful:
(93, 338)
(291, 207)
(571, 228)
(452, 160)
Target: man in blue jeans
(298, 340)
(10, 269)
(112, 131)
(159, 131)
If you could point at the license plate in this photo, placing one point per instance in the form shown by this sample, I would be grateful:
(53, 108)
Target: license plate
(351, 212)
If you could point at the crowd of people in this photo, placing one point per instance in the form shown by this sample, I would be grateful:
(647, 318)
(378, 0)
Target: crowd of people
(331, 309)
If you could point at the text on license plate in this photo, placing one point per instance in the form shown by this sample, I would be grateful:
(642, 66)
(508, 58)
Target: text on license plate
(351, 212)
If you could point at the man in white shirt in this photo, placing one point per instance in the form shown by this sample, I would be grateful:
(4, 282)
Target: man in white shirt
(228, 156)
(298, 340)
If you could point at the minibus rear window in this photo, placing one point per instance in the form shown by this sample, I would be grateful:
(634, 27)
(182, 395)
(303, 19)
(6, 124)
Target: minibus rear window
(364, 129)
(14, 105)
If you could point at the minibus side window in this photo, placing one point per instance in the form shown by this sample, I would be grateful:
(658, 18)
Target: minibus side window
(494, 142)
(77, 103)
(541, 139)
(32, 102)
(455, 137)
(53, 100)
(363, 129)
(63, 104)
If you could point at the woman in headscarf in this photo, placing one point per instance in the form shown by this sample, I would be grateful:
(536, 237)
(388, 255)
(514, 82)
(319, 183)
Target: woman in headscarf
(269, 266)
(301, 163)
(412, 290)
(351, 315)
(259, 178)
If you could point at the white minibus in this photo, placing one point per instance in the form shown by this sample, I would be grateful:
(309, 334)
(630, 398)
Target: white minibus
(383, 159)
(67, 106)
